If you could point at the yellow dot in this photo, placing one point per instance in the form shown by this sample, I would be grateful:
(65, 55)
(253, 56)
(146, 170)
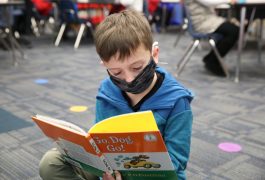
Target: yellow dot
(78, 108)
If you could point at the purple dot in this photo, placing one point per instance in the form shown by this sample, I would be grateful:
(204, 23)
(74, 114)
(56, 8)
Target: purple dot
(229, 147)
(41, 81)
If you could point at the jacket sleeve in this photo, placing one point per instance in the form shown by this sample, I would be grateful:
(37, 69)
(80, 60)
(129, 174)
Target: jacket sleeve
(177, 135)
(98, 114)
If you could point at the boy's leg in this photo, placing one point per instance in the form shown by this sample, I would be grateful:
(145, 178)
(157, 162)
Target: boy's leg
(54, 167)
(85, 175)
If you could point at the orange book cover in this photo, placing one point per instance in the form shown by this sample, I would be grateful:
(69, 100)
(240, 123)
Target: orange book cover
(130, 143)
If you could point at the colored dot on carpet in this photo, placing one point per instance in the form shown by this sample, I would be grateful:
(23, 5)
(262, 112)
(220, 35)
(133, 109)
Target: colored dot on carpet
(41, 81)
(229, 147)
(78, 108)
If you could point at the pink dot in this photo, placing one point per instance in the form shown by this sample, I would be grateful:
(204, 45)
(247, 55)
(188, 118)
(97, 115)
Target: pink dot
(229, 147)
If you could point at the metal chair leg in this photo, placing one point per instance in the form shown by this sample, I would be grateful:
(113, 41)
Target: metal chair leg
(220, 59)
(79, 36)
(184, 60)
(181, 33)
(89, 25)
(5, 44)
(251, 20)
(260, 40)
(60, 34)
(10, 45)
(18, 47)
(34, 26)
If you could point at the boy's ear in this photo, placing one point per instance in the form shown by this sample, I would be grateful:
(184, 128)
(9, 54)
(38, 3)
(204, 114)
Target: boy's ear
(102, 63)
(155, 53)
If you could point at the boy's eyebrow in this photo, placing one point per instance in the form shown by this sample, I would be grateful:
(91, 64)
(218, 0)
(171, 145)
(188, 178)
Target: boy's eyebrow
(113, 68)
(139, 61)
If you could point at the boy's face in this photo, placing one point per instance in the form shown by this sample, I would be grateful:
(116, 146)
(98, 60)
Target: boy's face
(131, 66)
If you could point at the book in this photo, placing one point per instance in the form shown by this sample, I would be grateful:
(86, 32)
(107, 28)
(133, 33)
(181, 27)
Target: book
(130, 143)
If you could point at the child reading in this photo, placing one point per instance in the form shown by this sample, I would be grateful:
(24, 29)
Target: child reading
(125, 46)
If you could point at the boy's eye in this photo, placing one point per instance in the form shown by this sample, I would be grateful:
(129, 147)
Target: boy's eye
(116, 73)
(137, 68)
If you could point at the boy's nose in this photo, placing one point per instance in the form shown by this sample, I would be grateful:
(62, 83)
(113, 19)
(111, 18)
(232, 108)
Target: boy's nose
(129, 77)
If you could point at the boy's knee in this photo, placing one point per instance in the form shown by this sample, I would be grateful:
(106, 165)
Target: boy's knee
(51, 164)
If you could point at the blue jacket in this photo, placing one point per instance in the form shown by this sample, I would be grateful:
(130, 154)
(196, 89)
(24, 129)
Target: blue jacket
(171, 108)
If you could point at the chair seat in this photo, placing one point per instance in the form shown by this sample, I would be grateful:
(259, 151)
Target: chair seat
(75, 21)
(215, 36)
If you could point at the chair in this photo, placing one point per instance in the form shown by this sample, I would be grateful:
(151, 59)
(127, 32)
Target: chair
(212, 38)
(7, 38)
(68, 12)
(39, 20)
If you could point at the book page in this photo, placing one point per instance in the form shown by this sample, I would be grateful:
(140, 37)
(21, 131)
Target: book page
(58, 129)
(61, 123)
(78, 154)
(132, 122)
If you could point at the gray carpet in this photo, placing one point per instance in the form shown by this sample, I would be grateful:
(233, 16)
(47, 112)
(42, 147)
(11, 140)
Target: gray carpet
(224, 111)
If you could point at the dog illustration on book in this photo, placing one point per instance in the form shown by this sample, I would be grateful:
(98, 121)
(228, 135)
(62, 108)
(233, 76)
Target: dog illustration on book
(140, 161)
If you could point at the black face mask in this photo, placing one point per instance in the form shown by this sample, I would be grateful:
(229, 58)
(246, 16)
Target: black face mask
(140, 83)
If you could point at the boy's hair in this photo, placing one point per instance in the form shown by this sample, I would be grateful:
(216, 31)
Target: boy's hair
(122, 33)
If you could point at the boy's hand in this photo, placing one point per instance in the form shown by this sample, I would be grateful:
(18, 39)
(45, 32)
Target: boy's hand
(108, 176)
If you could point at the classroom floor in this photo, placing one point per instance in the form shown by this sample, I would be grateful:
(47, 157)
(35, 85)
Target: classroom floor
(51, 80)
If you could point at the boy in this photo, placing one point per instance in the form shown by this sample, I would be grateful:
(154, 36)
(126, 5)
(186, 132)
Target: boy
(125, 45)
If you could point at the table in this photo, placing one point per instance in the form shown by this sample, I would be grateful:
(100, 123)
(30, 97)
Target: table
(6, 4)
(243, 8)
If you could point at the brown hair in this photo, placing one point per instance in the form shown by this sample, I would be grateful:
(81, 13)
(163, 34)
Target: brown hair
(122, 33)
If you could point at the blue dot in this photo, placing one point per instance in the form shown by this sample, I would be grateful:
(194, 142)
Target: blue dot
(41, 81)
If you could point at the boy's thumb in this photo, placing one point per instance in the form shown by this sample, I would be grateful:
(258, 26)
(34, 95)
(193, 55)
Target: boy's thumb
(117, 175)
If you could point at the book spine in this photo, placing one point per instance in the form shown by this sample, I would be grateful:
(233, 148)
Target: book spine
(100, 155)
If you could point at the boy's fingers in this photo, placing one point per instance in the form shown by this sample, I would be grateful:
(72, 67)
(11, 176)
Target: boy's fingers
(107, 176)
(118, 175)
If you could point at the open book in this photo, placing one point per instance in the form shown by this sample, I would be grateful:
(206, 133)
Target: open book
(130, 143)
